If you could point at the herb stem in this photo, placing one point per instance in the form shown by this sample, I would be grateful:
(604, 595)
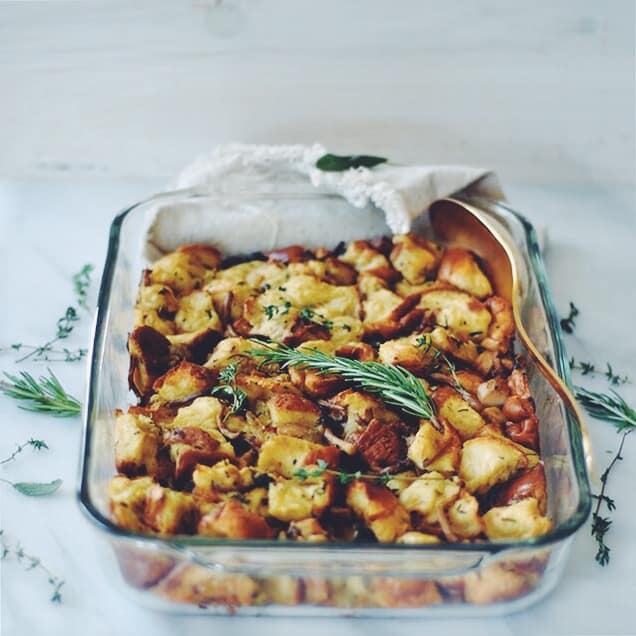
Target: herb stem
(33, 563)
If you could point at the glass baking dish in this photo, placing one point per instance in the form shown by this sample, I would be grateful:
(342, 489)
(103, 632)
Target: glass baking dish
(201, 574)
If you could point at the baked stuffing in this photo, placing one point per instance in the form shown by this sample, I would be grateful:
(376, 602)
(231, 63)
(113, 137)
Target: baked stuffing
(224, 443)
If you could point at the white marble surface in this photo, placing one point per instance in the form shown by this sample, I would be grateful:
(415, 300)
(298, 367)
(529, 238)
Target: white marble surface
(49, 228)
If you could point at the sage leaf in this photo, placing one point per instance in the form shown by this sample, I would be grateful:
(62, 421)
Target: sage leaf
(37, 489)
(339, 163)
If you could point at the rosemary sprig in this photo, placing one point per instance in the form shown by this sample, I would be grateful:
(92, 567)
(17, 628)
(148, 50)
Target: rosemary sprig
(31, 563)
(588, 368)
(611, 408)
(35, 444)
(228, 390)
(395, 385)
(45, 395)
(567, 324)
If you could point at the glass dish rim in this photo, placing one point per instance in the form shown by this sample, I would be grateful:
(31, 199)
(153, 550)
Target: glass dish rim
(179, 542)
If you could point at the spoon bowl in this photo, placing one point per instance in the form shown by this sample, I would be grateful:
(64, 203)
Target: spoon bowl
(463, 225)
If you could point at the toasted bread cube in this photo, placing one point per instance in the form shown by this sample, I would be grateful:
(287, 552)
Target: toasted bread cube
(292, 500)
(156, 306)
(283, 590)
(399, 592)
(259, 387)
(127, 501)
(447, 462)
(426, 494)
(292, 414)
(284, 455)
(223, 476)
(461, 416)
(379, 444)
(196, 311)
(137, 440)
(308, 530)
(204, 412)
(190, 445)
(414, 257)
(205, 255)
(195, 346)
(379, 305)
(459, 268)
(183, 383)
(198, 585)
(364, 258)
(487, 461)
(502, 327)
(257, 501)
(418, 538)
(379, 508)
(229, 351)
(415, 353)
(149, 359)
(429, 442)
(463, 517)
(519, 520)
(458, 311)
(178, 271)
(498, 582)
(169, 511)
(361, 408)
(233, 521)
(331, 270)
(460, 349)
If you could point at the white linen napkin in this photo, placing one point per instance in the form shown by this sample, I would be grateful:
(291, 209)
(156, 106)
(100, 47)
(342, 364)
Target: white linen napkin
(402, 192)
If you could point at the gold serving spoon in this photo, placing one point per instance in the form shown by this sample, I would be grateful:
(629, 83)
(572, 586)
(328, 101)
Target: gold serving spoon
(463, 225)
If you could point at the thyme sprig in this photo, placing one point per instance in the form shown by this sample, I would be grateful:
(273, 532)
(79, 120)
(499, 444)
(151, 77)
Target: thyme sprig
(229, 391)
(568, 324)
(81, 284)
(31, 562)
(394, 384)
(45, 395)
(343, 477)
(35, 444)
(64, 327)
(588, 368)
(612, 408)
(600, 524)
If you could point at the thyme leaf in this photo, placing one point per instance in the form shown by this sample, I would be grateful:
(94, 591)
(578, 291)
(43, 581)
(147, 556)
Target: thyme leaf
(229, 391)
(568, 324)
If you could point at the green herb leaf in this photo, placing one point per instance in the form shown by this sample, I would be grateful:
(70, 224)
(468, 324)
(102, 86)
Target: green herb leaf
(45, 395)
(339, 163)
(394, 384)
(37, 489)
